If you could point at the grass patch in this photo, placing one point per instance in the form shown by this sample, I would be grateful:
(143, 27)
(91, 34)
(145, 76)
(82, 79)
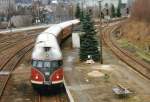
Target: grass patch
(124, 43)
(143, 55)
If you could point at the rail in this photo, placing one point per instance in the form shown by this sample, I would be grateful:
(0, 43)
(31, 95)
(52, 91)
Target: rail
(10, 65)
(135, 63)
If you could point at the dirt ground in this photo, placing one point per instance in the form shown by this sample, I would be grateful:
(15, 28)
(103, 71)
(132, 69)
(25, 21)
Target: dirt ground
(19, 88)
(88, 83)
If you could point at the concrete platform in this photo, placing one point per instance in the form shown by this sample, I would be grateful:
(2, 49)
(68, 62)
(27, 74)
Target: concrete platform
(94, 82)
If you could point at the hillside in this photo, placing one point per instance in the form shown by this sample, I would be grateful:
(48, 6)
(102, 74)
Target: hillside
(135, 36)
(137, 32)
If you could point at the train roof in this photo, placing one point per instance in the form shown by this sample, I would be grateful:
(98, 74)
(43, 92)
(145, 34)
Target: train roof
(46, 40)
(65, 24)
(57, 28)
(76, 21)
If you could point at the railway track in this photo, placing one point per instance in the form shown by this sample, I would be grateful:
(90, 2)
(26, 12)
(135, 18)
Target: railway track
(11, 40)
(5, 73)
(10, 44)
(10, 58)
(8, 54)
(135, 63)
(52, 95)
(12, 36)
(53, 98)
(10, 63)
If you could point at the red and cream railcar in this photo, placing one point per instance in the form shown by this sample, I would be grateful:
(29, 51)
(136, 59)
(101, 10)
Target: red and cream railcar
(47, 62)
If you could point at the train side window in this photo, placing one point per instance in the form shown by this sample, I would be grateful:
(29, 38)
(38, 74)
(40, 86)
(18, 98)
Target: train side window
(40, 64)
(34, 63)
(47, 64)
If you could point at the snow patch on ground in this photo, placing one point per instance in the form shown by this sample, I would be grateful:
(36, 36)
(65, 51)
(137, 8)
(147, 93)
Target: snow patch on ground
(103, 67)
(96, 74)
(70, 59)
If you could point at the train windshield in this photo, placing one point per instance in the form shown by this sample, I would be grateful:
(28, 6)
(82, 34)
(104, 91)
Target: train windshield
(40, 64)
(34, 63)
(47, 64)
(55, 64)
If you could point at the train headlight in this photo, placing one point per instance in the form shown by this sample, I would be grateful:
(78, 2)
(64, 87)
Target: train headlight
(36, 77)
(57, 76)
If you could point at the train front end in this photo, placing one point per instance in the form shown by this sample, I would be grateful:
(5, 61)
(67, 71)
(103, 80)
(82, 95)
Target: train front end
(47, 64)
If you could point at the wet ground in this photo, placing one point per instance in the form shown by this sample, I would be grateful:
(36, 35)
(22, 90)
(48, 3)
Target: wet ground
(88, 83)
(19, 88)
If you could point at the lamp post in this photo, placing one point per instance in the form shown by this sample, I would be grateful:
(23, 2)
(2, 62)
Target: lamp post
(100, 31)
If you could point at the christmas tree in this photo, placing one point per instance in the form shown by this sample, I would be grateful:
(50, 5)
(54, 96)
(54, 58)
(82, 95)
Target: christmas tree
(89, 43)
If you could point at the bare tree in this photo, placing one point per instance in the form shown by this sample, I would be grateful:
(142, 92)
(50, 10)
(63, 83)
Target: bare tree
(141, 10)
(36, 9)
(10, 11)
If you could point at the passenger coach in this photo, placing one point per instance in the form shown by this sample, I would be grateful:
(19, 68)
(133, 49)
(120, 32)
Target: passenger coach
(47, 61)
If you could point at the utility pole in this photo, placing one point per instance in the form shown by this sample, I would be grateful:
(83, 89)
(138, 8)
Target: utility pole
(100, 31)
(71, 11)
(82, 4)
(9, 15)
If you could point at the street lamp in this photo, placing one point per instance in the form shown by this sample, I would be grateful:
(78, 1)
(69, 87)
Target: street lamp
(100, 31)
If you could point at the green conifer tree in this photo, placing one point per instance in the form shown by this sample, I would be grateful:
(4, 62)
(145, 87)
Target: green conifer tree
(119, 9)
(82, 15)
(89, 43)
(113, 12)
(78, 11)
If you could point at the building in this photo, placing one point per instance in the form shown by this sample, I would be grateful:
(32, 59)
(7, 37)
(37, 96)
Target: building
(106, 6)
(7, 6)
